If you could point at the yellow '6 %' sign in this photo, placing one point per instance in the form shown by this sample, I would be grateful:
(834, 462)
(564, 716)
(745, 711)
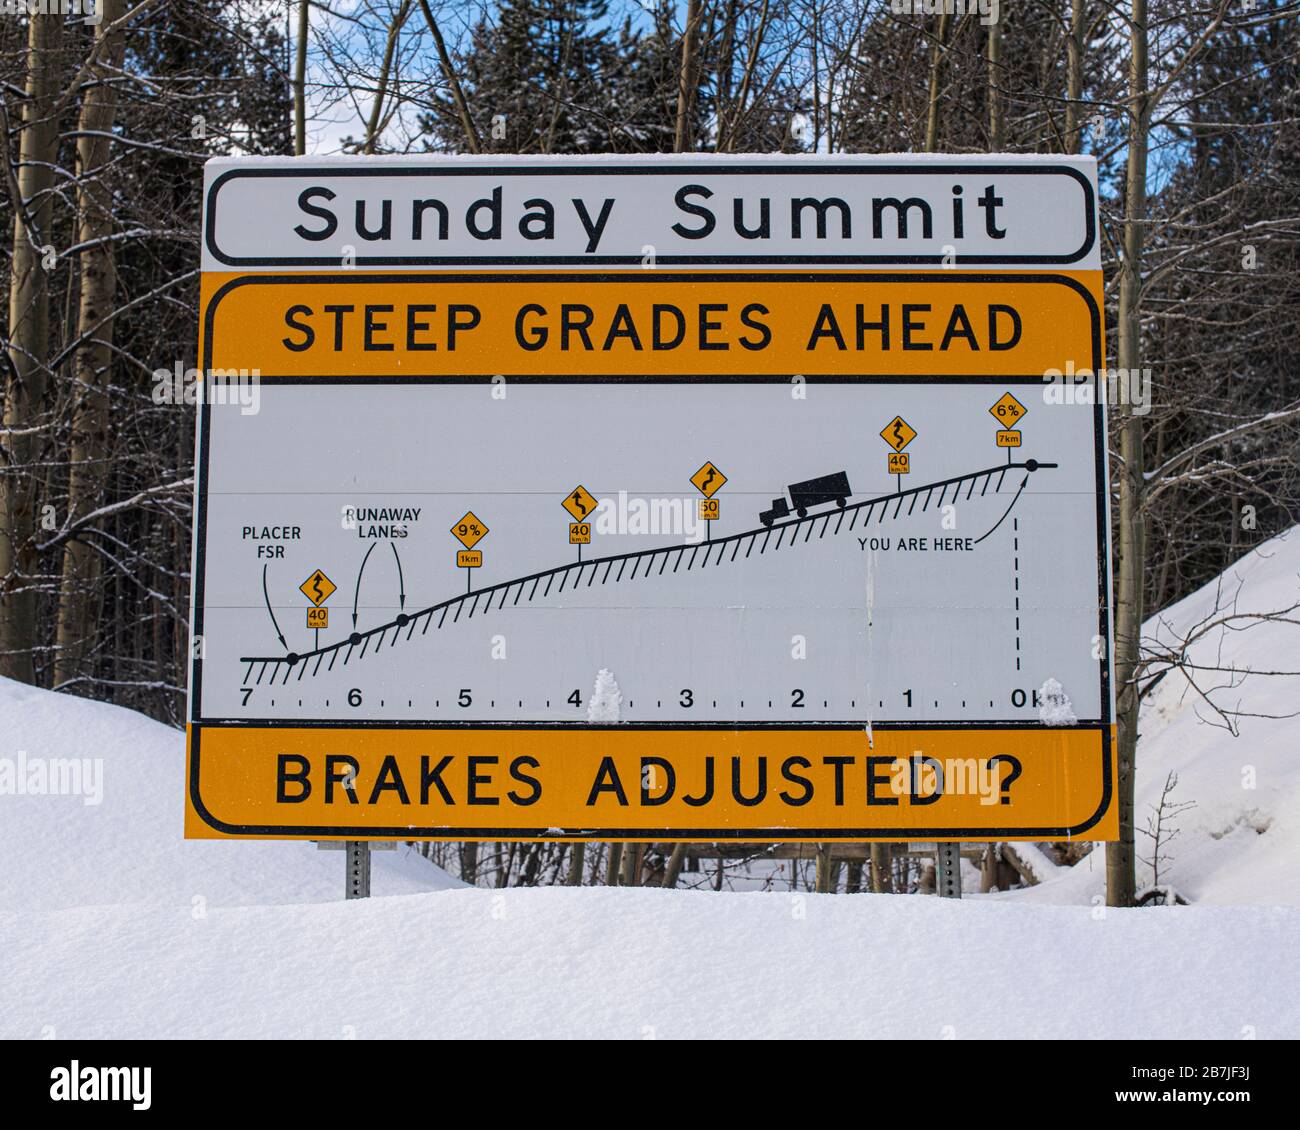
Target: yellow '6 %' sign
(1008, 410)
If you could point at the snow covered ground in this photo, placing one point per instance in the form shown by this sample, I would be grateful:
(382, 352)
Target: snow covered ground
(646, 963)
(112, 925)
(1240, 843)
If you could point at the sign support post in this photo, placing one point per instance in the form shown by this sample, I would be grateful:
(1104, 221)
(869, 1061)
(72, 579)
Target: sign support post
(358, 875)
(947, 870)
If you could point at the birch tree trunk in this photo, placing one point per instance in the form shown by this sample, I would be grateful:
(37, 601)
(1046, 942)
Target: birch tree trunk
(997, 114)
(683, 142)
(824, 858)
(1074, 78)
(300, 80)
(576, 862)
(376, 123)
(673, 868)
(28, 344)
(79, 598)
(613, 864)
(881, 857)
(1131, 548)
(937, 51)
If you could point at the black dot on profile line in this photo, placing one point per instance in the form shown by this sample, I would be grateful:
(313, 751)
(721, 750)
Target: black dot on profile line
(403, 619)
(291, 658)
(354, 638)
(1031, 464)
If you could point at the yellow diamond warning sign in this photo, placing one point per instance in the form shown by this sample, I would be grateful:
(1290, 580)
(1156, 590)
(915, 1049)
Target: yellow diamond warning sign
(898, 433)
(317, 588)
(708, 479)
(1008, 411)
(470, 530)
(579, 503)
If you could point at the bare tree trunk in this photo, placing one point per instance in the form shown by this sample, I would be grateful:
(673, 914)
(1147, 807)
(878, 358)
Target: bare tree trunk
(1074, 78)
(673, 868)
(632, 856)
(726, 136)
(300, 81)
(684, 142)
(937, 51)
(576, 863)
(1121, 881)
(881, 858)
(469, 862)
(472, 142)
(30, 186)
(997, 103)
(989, 869)
(822, 883)
(375, 125)
(78, 601)
(613, 865)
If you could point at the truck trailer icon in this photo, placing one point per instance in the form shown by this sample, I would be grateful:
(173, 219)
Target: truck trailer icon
(811, 492)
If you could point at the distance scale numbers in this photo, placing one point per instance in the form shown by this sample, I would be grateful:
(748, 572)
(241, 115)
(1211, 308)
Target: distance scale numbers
(872, 553)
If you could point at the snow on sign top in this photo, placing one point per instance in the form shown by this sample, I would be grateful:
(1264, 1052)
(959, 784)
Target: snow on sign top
(436, 212)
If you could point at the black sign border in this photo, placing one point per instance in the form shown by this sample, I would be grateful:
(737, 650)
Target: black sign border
(757, 169)
(196, 723)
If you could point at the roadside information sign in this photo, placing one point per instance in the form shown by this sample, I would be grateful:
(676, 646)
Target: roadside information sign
(908, 641)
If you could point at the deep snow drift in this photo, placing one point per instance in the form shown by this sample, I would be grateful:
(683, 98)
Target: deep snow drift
(1241, 841)
(634, 964)
(59, 851)
(112, 925)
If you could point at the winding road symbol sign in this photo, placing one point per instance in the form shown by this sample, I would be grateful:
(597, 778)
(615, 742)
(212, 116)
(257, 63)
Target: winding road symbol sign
(708, 480)
(579, 503)
(317, 588)
(898, 433)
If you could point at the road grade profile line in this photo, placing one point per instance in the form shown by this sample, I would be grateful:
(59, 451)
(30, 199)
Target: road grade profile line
(273, 664)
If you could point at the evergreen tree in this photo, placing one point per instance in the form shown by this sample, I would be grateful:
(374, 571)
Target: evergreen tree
(534, 80)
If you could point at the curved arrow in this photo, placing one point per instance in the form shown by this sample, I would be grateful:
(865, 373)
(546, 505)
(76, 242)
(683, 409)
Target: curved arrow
(267, 597)
(356, 596)
(401, 581)
(1024, 483)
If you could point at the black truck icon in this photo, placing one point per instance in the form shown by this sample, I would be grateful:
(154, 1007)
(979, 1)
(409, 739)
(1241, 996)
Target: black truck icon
(812, 492)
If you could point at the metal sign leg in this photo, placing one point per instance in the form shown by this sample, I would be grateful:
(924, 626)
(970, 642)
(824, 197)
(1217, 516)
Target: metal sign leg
(358, 857)
(948, 870)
